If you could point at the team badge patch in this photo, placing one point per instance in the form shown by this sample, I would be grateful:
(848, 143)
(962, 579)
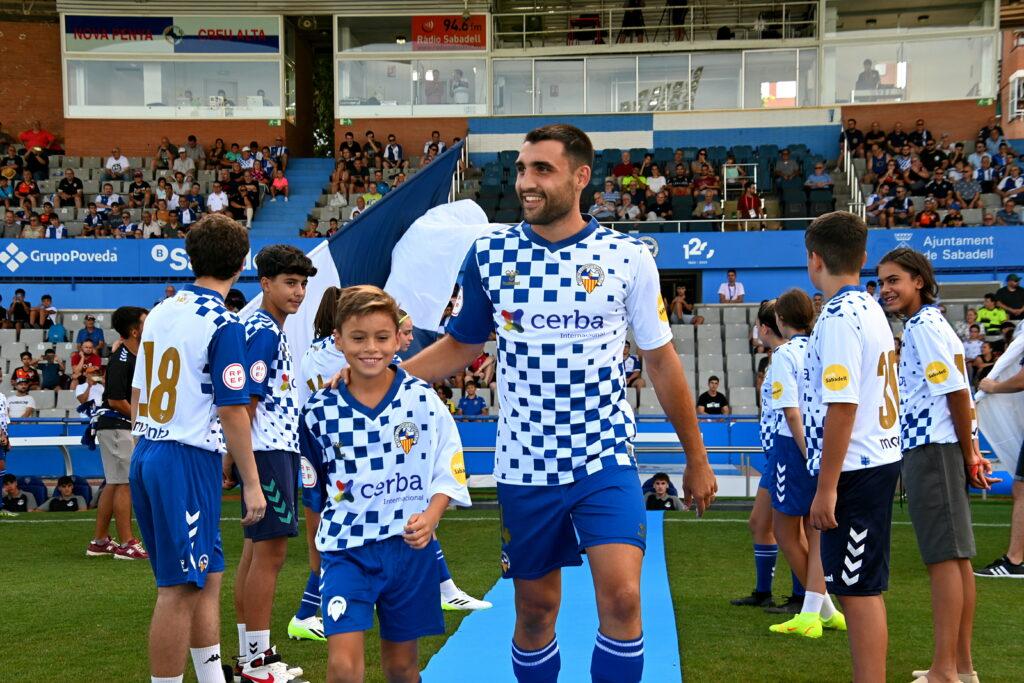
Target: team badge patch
(234, 376)
(458, 467)
(662, 312)
(590, 276)
(776, 390)
(258, 371)
(457, 306)
(836, 378)
(307, 472)
(406, 436)
(504, 563)
(204, 562)
(936, 372)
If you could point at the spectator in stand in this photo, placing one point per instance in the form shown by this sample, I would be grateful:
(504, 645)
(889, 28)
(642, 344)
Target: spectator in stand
(955, 154)
(916, 177)
(90, 333)
(819, 179)
(986, 130)
(279, 153)
(661, 208)
(64, 498)
(218, 201)
(904, 158)
(749, 204)
(712, 401)
(14, 499)
(680, 180)
(358, 208)
(117, 166)
(994, 140)
(787, 168)
(624, 168)
(1011, 185)
(173, 227)
(186, 214)
(660, 498)
(967, 190)
(279, 186)
(892, 177)
(7, 198)
(216, 159)
(953, 217)
(21, 404)
(1008, 214)
(991, 316)
(332, 226)
(932, 157)
(874, 136)
(394, 156)
(928, 217)
(972, 345)
(435, 139)
(655, 181)
(37, 136)
(731, 291)
(312, 229)
(896, 139)
(196, 200)
(600, 210)
(902, 208)
(919, 137)
(11, 227)
(868, 79)
(876, 163)
(963, 328)
(107, 201)
(697, 165)
(471, 405)
(632, 370)
(246, 161)
(979, 153)
(354, 149)
(851, 139)
(939, 189)
(681, 311)
(1011, 297)
(1004, 158)
(34, 229)
(150, 228)
(26, 373)
(37, 163)
(140, 192)
(195, 152)
(185, 165)
(93, 220)
(125, 227)
(28, 189)
(379, 183)
(372, 194)
(90, 392)
(706, 181)
(55, 230)
(987, 175)
(706, 207)
(165, 155)
(86, 360)
(358, 175)
(372, 149)
(877, 207)
(611, 193)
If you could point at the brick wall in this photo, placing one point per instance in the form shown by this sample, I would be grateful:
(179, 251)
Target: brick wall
(32, 86)
(1012, 62)
(411, 133)
(139, 137)
(960, 118)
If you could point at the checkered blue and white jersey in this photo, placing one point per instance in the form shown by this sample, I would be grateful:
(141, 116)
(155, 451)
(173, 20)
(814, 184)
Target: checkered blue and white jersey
(5, 416)
(851, 358)
(931, 366)
(320, 363)
(784, 375)
(769, 422)
(191, 360)
(561, 311)
(268, 360)
(368, 470)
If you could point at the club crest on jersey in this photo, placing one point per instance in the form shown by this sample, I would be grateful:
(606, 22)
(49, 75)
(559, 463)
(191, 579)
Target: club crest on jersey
(307, 472)
(591, 276)
(337, 607)
(204, 562)
(513, 320)
(406, 436)
(504, 563)
(344, 491)
(509, 278)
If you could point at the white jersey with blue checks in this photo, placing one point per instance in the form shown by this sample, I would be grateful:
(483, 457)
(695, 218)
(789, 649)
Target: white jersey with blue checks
(851, 358)
(931, 366)
(785, 375)
(769, 421)
(5, 416)
(190, 361)
(369, 469)
(320, 363)
(269, 365)
(561, 311)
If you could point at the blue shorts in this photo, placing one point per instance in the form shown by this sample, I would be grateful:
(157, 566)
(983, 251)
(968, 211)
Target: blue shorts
(768, 474)
(278, 471)
(540, 524)
(176, 492)
(855, 555)
(794, 486)
(401, 582)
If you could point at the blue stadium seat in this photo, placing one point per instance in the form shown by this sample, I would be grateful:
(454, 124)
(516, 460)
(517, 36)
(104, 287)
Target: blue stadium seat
(648, 487)
(33, 485)
(82, 488)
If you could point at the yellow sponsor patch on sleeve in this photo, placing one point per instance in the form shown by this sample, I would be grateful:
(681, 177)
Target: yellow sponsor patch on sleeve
(662, 311)
(776, 390)
(835, 378)
(458, 467)
(937, 372)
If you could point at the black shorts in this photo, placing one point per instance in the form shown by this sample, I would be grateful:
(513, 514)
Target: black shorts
(279, 472)
(855, 555)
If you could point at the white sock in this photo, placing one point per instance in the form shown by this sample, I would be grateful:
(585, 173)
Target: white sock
(449, 589)
(207, 662)
(812, 602)
(827, 608)
(173, 679)
(260, 640)
(243, 650)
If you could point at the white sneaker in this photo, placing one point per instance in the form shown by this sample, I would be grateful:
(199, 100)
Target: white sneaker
(273, 199)
(268, 667)
(461, 601)
(286, 197)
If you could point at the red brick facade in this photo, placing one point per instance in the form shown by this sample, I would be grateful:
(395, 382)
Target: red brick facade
(960, 118)
(32, 86)
(411, 133)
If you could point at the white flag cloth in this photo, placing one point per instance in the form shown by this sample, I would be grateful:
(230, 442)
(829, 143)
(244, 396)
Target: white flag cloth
(1001, 416)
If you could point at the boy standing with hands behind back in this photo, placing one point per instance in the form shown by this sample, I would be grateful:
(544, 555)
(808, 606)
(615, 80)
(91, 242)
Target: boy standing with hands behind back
(850, 404)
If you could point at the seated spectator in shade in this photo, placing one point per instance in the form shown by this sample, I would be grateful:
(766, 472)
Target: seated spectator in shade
(195, 152)
(180, 186)
(90, 333)
(1008, 214)
(706, 207)
(12, 228)
(186, 214)
(819, 179)
(358, 208)
(931, 156)
(599, 209)
(19, 312)
(37, 136)
(731, 291)
(628, 211)
(107, 201)
(125, 226)
(85, 361)
(34, 229)
(712, 401)
(312, 229)
(902, 208)
(471, 405)
(624, 168)
(184, 165)
(655, 181)
(14, 499)
(680, 180)
(994, 140)
(979, 153)
(660, 498)
(37, 163)
(140, 192)
(150, 228)
(332, 226)
(51, 370)
(26, 372)
(963, 328)
(279, 186)
(45, 314)
(852, 138)
(940, 189)
(733, 175)
(1012, 185)
(70, 190)
(1010, 298)
(681, 310)
(972, 345)
(394, 155)
(707, 180)
(991, 316)
(987, 175)
(611, 193)
(632, 369)
(173, 228)
(165, 155)
(953, 217)
(7, 197)
(90, 392)
(786, 168)
(218, 201)
(21, 404)
(875, 135)
(988, 219)
(929, 217)
(27, 188)
(967, 190)
(877, 207)
(661, 208)
(117, 166)
(64, 498)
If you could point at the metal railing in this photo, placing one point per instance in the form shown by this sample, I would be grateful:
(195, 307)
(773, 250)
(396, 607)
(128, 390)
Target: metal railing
(718, 224)
(741, 180)
(604, 25)
(856, 203)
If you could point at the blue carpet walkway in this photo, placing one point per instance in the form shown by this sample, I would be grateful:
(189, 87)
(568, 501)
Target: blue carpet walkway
(480, 649)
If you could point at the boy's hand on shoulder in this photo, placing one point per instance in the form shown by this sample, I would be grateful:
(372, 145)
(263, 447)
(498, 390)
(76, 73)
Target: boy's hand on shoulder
(343, 376)
(823, 511)
(419, 530)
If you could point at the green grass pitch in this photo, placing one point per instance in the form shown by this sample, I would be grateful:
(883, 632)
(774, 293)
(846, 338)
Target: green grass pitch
(68, 616)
